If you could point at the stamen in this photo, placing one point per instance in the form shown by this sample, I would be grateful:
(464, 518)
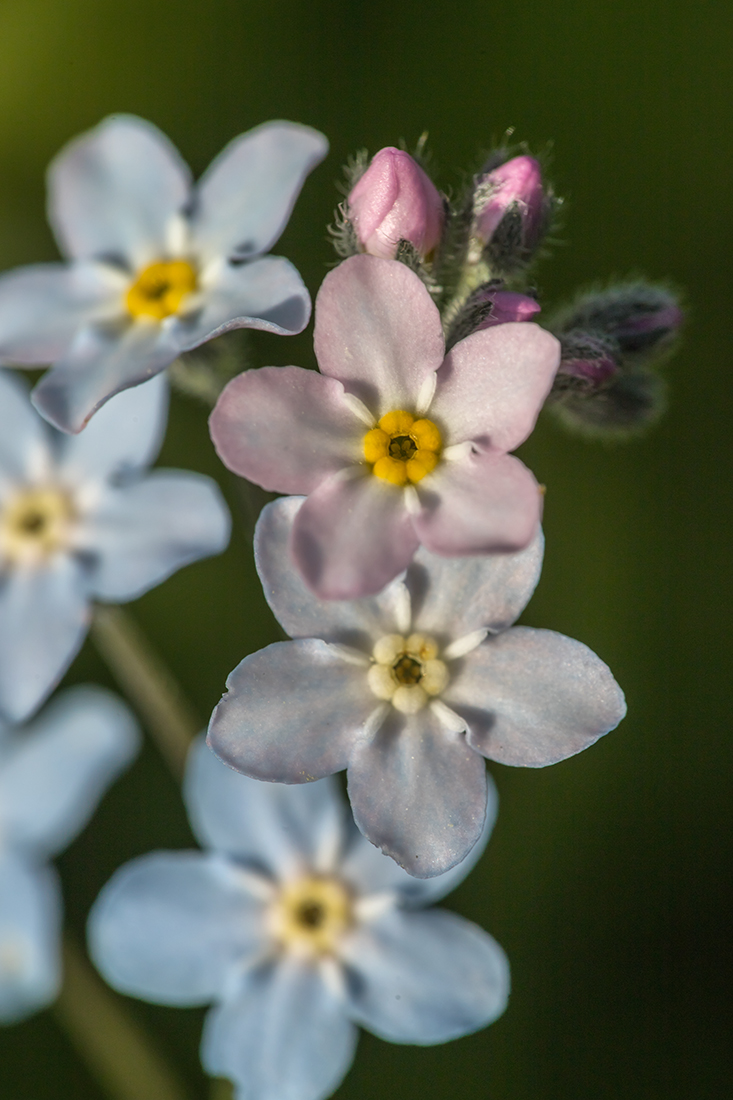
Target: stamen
(35, 524)
(402, 449)
(310, 915)
(160, 289)
(407, 672)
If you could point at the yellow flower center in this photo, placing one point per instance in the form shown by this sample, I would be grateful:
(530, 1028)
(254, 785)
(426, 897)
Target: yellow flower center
(35, 523)
(401, 448)
(310, 915)
(160, 288)
(406, 671)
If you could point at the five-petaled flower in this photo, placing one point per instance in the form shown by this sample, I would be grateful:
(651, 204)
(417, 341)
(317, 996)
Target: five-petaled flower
(156, 267)
(395, 444)
(409, 691)
(52, 775)
(79, 521)
(297, 929)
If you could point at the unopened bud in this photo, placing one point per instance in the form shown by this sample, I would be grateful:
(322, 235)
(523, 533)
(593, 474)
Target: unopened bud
(395, 201)
(490, 305)
(641, 318)
(587, 360)
(510, 213)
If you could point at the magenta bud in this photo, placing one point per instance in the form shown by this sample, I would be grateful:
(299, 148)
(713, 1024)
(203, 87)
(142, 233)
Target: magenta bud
(395, 200)
(516, 185)
(507, 306)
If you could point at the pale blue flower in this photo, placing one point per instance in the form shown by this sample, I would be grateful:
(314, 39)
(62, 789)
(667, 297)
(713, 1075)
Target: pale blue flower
(157, 266)
(410, 690)
(52, 775)
(297, 929)
(80, 521)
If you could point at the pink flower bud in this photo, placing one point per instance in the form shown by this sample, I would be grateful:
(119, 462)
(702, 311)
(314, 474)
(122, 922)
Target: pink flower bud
(516, 183)
(507, 306)
(395, 200)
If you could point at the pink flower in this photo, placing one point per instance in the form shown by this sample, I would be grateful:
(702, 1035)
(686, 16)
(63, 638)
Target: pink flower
(394, 200)
(394, 444)
(518, 182)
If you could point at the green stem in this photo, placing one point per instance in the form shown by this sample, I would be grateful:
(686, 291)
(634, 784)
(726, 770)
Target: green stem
(115, 1049)
(150, 686)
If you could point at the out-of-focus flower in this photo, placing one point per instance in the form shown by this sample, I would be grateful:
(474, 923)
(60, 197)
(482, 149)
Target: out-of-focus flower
(393, 201)
(79, 521)
(52, 775)
(297, 929)
(409, 691)
(395, 444)
(156, 267)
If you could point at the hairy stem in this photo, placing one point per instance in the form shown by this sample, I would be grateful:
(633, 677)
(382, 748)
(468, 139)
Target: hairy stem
(149, 685)
(115, 1049)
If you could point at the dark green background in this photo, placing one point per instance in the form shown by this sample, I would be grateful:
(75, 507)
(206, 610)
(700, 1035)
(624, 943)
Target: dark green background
(608, 878)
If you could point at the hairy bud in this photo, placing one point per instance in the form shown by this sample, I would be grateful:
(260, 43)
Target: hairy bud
(490, 305)
(511, 213)
(394, 201)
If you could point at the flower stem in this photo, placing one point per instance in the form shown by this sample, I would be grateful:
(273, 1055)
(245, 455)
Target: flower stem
(150, 686)
(115, 1049)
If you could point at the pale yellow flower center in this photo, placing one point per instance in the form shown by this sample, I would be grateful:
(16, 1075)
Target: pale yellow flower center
(402, 449)
(406, 671)
(35, 524)
(160, 289)
(311, 914)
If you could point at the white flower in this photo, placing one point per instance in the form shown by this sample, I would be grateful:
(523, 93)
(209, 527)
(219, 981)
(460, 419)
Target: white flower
(79, 521)
(52, 775)
(298, 929)
(157, 267)
(409, 691)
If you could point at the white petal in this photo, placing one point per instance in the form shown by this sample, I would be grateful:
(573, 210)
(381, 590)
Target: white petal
(171, 928)
(30, 925)
(138, 535)
(245, 197)
(55, 772)
(114, 189)
(24, 438)
(286, 1037)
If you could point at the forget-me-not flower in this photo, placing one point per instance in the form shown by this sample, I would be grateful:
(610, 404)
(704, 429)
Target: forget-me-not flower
(297, 929)
(410, 690)
(156, 266)
(52, 775)
(79, 521)
(396, 443)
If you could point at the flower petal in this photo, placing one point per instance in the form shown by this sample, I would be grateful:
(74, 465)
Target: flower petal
(277, 826)
(419, 793)
(24, 437)
(426, 977)
(113, 190)
(482, 503)
(43, 621)
(286, 1037)
(533, 697)
(139, 534)
(124, 436)
(30, 927)
(246, 196)
(455, 596)
(300, 611)
(492, 385)
(42, 307)
(266, 294)
(172, 926)
(291, 713)
(99, 364)
(352, 536)
(285, 428)
(378, 331)
(372, 872)
(57, 770)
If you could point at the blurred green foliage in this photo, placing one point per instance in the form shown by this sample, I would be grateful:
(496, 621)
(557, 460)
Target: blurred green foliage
(608, 878)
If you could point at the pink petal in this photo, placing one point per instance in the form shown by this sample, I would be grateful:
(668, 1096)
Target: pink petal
(285, 428)
(492, 385)
(378, 331)
(352, 536)
(481, 504)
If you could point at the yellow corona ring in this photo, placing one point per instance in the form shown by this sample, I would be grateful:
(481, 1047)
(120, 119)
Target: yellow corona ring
(402, 449)
(407, 671)
(160, 289)
(35, 523)
(310, 915)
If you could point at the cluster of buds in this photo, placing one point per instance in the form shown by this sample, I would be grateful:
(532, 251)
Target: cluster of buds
(611, 341)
